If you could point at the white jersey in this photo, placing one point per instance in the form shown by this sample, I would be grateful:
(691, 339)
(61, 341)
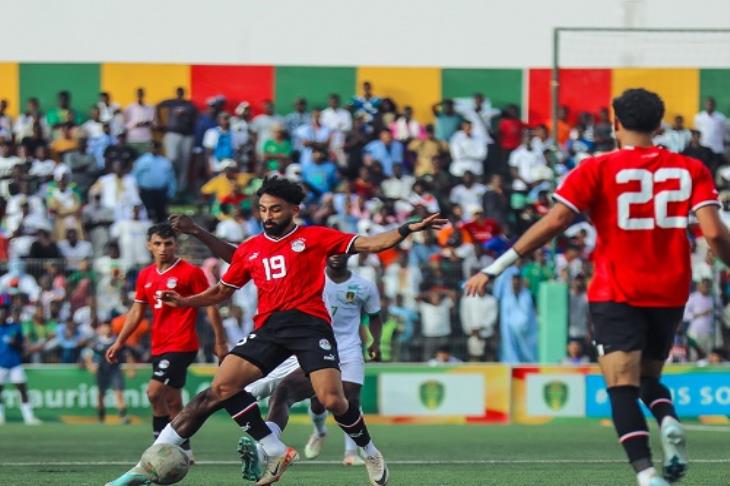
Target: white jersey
(347, 302)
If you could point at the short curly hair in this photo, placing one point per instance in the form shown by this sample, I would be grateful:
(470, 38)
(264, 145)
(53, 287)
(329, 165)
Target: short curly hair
(163, 230)
(639, 110)
(289, 191)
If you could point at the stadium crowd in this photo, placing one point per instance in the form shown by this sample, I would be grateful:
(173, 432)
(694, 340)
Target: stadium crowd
(79, 187)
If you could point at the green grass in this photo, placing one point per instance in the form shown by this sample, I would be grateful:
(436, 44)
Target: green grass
(581, 453)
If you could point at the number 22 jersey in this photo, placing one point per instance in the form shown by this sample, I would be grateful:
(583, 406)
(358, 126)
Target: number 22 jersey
(639, 200)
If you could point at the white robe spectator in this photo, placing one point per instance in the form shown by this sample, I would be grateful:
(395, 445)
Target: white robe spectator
(131, 235)
(468, 152)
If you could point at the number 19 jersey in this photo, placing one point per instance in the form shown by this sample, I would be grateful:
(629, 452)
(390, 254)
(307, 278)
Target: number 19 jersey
(640, 199)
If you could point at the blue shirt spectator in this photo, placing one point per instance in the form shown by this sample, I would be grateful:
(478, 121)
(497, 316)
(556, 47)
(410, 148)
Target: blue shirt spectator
(320, 174)
(367, 104)
(517, 323)
(297, 118)
(97, 146)
(310, 137)
(70, 341)
(153, 171)
(11, 345)
(386, 151)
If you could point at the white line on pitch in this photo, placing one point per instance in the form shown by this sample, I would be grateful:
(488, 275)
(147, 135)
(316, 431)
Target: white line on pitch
(707, 428)
(328, 463)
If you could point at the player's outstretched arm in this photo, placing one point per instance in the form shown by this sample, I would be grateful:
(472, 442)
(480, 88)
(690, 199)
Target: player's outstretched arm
(134, 317)
(551, 225)
(715, 232)
(213, 296)
(220, 248)
(388, 239)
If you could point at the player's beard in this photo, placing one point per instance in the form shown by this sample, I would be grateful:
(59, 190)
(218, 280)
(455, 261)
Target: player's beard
(277, 229)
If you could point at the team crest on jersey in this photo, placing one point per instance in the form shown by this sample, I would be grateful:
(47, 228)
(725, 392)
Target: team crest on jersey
(171, 283)
(350, 296)
(298, 245)
(164, 364)
(324, 344)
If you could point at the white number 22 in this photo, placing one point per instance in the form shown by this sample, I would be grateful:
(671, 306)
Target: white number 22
(646, 193)
(275, 267)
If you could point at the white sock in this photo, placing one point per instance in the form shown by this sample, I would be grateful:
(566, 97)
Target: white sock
(27, 411)
(275, 429)
(645, 476)
(350, 446)
(272, 445)
(169, 436)
(370, 449)
(319, 420)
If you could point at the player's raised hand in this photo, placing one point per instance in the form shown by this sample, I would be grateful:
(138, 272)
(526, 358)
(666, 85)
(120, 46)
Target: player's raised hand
(113, 352)
(170, 298)
(433, 222)
(182, 223)
(374, 351)
(476, 284)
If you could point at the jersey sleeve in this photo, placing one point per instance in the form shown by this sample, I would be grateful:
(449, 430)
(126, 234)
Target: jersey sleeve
(139, 295)
(580, 187)
(238, 273)
(199, 283)
(703, 192)
(335, 242)
(372, 301)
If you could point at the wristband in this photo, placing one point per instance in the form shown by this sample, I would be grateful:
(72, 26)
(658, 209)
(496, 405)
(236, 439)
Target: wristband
(507, 259)
(404, 230)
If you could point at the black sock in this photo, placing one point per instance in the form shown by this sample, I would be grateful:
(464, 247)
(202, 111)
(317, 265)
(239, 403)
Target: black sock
(657, 398)
(159, 423)
(101, 412)
(242, 408)
(185, 445)
(630, 425)
(353, 424)
(122, 413)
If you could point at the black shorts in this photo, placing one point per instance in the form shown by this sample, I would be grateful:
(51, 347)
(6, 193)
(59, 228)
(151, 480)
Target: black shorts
(622, 327)
(109, 378)
(288, 333)
(172, 368)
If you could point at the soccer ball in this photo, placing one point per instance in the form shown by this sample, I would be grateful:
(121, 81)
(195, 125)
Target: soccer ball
(165, 463)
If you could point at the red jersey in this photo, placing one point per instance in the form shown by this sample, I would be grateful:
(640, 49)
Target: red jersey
(288, 271)
(639, 199)
(484, 231)
(173, 328)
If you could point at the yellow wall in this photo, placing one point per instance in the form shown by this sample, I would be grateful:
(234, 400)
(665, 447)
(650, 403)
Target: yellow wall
(9, 88)
(159, 81)
(679, 88)
(418, 87)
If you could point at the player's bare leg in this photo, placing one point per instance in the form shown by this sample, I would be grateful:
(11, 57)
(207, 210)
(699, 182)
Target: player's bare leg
(227, 392)
(658, 400)
(327, 384)
(121, 406)
(622, 372)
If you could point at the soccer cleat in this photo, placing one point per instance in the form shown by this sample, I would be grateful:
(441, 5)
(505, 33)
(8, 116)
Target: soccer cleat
(377, 469)
(251, 467)
(33, 421)
(134, 477)
(352, 459)
(191, 457)
(276, 465)
(314, 445)
(658, 481)
(674, 443)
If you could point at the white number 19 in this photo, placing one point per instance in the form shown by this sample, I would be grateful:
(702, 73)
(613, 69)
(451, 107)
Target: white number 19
(646, 193)
(275, 267)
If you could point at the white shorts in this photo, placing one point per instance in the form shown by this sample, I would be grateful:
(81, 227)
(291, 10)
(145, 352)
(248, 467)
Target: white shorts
(264, 387)
(353, 370)
(15, 375)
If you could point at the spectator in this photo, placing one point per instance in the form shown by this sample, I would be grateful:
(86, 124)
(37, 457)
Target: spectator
(603, 132)
(138, 121)
(447, 120)
(496, 202)
(118, 190)
(97, 219)
(219, 143)
(64, 142)
(121, 151)
(233, 227)
(563, 132)
(525, 164)
(366, 105)
(262, 125)
(517, 323)
(110, 113)
(73, 250)
(537, 270)
(64, 205)
(479, 112)
(478, 320)
(443, 356)
(481, 228)
(17, 281)
(339, 122)
(111, 277)
(131, 235)
(712, 126)
(469, 192)
(311, 137)
(296, 118)
(23, 127)
(93, 127)
(234, 326)
(468, 151)
(384, 150)
(427, 150)
(205, 121)
(44, 248)
(575, 354)
(420, 196)
(70, 341)
(696, 150)
(406, 128)
(155, 178)
(700, 313)
(401, 279)
(224, 183)
(63, 113)
(179, 116)
(578, 311)
(435, 307)
(277, 150)
(510, 130)
(676, 138)
(398, 186)
(83, 167)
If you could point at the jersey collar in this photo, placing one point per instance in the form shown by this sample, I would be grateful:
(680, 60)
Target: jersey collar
(168, 268)
(283, 237)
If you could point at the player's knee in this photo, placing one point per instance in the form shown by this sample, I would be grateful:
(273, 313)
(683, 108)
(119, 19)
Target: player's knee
(156, 395)
(334, 402)
(220, 390)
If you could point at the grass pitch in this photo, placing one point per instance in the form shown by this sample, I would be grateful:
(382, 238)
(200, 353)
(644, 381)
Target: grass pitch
(581, 453)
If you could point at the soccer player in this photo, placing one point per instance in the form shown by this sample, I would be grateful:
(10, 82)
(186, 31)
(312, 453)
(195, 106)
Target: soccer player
(639, 198)
(11, 367)
(349, 298)
(174, 340)
(285, 263)
(108, 375)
